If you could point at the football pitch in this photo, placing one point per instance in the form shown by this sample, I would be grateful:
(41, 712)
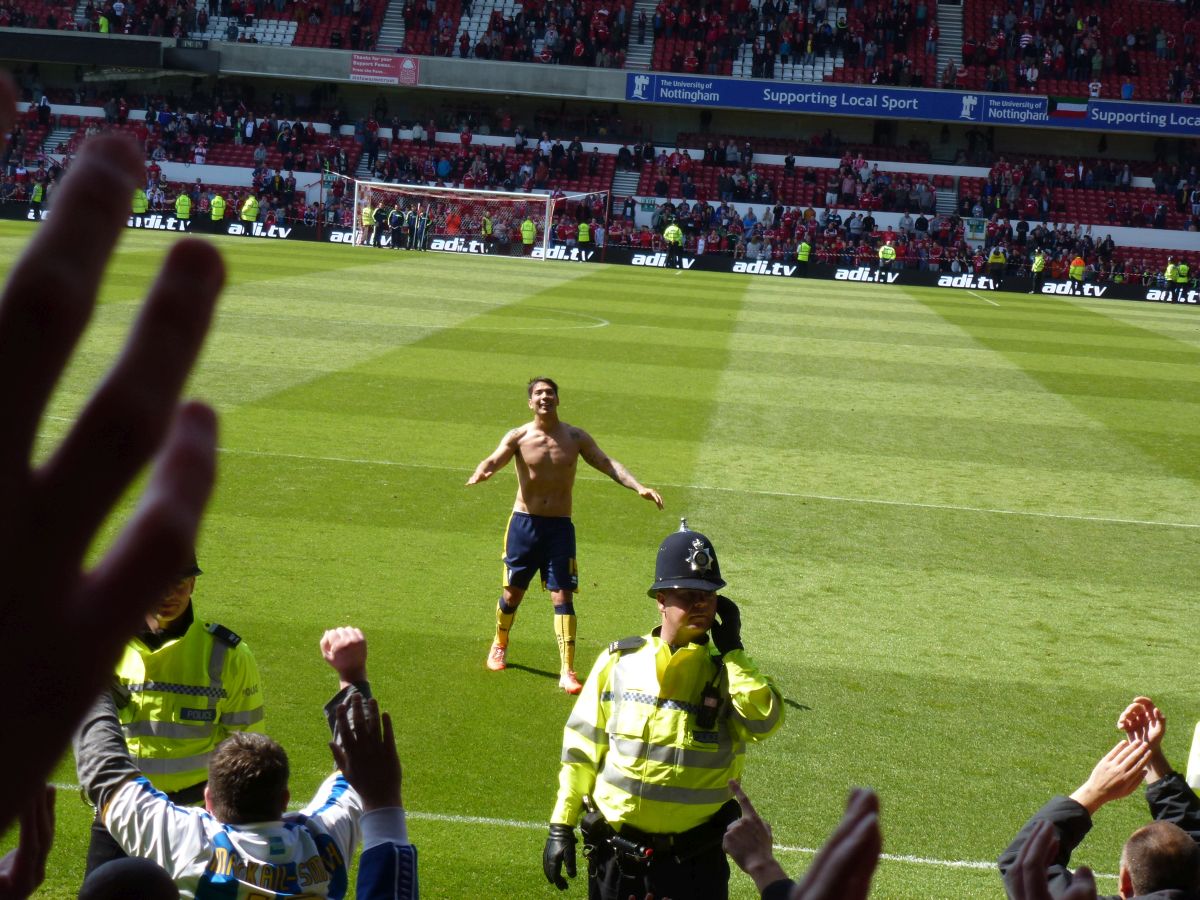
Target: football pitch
(963, 530)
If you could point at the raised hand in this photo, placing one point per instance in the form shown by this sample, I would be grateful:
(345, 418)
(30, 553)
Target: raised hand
(50, 515)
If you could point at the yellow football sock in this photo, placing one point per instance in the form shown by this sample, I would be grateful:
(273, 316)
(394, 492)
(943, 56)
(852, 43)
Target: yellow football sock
(504, 620)
(564, 631)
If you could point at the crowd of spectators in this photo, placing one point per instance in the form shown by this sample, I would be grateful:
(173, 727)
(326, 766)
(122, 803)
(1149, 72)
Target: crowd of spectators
(927, 242)
(1092, 192)
(735, 176)
(583, 34)
(1144, 50)
(888, 39)
(345, 24)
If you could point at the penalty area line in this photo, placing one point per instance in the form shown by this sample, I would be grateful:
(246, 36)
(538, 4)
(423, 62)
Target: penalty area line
(983, 298)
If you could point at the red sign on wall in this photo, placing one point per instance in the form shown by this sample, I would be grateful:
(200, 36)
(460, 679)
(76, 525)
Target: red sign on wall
(376, 68)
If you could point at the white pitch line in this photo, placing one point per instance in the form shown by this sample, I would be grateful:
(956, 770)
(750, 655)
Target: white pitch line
(828, 498)
(597, 322)
(981, 865)
(984, 299)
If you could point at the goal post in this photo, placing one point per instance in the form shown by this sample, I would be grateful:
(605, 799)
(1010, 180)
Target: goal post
(453, 219)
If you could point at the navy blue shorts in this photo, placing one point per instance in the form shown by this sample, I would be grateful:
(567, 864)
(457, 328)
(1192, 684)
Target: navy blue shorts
(544, 544)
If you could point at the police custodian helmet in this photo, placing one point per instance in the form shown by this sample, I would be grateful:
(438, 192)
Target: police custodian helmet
(687, 560)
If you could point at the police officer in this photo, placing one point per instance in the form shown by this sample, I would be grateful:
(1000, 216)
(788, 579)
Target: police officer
(36, 197)
(528, 235)
(1037, 270)
(657, 732)
(887, 256)
(803, 252)
(673, 235)
(181, 688)
(367, 221)
(250, 213)
(997, 262)
(486, 229)
(1075, 270)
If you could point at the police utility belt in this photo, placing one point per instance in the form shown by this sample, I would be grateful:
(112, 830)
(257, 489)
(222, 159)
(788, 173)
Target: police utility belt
(632, 846)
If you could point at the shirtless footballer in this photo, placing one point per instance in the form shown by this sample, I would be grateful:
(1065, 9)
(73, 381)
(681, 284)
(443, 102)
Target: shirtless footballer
(541, 537)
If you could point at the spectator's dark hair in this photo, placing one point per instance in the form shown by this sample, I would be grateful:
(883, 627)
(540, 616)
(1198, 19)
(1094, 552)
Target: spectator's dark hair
(541, 379)
(248, 779)
(1161, 857)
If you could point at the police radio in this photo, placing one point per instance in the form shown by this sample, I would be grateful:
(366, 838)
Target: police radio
(710, 703)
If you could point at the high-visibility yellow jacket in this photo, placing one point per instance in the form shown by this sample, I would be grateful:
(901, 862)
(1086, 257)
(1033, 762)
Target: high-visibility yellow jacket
(217, 209)
(183, 206)
(368, 216)
(673, 234)
(1181, 273)
(1075, 272)
(887, 253)
(528, 231)
(803, 251)
(485, 227)
(1169, 273)
(585, 233)
(1039, 262)
(250, 209)
(185, 697)
(633, 742)
(141, 202)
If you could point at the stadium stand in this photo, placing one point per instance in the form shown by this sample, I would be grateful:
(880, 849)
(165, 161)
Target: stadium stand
(811, 40)
(594, 34)
(558, 167)
(1142, 49)
(855, 182)
(1095, 194)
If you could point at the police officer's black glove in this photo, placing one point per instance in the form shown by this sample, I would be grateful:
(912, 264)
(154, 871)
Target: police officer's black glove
(727, 630)
(560, 849)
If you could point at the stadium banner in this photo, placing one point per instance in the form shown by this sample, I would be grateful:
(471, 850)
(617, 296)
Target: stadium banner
(653, 259)
(377, 68)
(910, 103)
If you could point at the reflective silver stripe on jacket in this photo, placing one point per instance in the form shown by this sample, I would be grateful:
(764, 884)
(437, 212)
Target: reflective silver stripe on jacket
(666, 793)
(165, 766)
(721, 758)
(760, 726)
(246, 717)
(160, 729)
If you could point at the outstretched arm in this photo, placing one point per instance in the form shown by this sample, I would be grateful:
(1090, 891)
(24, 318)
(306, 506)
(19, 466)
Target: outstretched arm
(602, 462)
(498, 460)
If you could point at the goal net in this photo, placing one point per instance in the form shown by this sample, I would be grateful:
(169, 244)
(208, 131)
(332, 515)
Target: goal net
(464, 220)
